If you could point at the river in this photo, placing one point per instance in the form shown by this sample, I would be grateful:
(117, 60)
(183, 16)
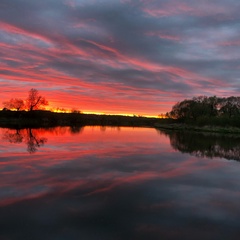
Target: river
(118, 183)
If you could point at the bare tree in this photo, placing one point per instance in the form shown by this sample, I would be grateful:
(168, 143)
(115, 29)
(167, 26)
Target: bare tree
(14, 103)
(35, 101)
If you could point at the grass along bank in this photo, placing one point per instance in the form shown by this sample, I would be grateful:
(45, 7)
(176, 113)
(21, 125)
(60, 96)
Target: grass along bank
(206, 128)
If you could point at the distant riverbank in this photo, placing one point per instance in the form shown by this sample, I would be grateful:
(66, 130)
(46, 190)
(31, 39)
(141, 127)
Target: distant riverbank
(22, 119)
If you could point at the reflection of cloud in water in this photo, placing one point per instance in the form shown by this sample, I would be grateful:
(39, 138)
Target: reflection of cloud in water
(126, 184)
(93, 197)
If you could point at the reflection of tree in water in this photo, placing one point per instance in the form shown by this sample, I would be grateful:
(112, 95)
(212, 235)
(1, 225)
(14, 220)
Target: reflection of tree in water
(205, 144)
(33, 141)
(75, 129)
(28, 136)
(13, 137)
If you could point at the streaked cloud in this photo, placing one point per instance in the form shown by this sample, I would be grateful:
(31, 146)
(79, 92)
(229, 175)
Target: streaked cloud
(117, 56)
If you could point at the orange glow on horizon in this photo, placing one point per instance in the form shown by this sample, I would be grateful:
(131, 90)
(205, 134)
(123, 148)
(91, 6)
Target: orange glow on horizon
(61, 110)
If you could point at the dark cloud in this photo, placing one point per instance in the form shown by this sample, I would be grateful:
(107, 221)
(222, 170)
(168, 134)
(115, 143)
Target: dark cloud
(186, 47)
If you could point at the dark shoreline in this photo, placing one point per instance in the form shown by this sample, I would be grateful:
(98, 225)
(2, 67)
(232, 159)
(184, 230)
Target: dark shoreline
(41, 119)
(193, 128)
(36, 119)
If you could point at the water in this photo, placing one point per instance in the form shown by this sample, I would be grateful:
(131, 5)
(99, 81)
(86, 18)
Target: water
(118, 183)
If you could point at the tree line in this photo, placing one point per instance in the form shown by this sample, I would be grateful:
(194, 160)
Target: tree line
(34, 101)
(208, 110)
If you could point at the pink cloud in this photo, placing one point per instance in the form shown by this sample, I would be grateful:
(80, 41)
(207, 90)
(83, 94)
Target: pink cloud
(174, 7)
(16, 30)
(170, 8)
(35, 67)
(230, 43)
(164, 36)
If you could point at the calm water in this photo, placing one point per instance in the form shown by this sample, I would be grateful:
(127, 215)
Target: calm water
(118, 183)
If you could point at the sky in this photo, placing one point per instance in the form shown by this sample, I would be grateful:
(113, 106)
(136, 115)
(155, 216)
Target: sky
(119, 56)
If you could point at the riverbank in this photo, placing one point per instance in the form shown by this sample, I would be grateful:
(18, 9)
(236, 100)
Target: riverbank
(36, 119)
(207, 128)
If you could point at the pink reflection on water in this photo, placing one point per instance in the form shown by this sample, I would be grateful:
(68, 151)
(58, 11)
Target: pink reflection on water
(92, 159)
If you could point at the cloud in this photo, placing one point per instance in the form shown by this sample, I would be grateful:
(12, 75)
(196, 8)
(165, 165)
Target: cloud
(175, 49)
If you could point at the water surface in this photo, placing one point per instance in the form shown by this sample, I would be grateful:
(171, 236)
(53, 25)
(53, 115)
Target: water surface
(118, 183)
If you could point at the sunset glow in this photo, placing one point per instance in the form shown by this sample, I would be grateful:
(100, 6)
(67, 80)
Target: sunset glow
(116, 56)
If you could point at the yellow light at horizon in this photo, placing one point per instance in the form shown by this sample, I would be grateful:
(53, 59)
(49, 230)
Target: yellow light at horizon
(102, 113)
(62, 110)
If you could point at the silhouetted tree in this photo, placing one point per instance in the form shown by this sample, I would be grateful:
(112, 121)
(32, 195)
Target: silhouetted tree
(181, 110)
(35, 101)
(230, 107)
(206, 107)
(212, 103)
(14, 103)
(74, 110)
